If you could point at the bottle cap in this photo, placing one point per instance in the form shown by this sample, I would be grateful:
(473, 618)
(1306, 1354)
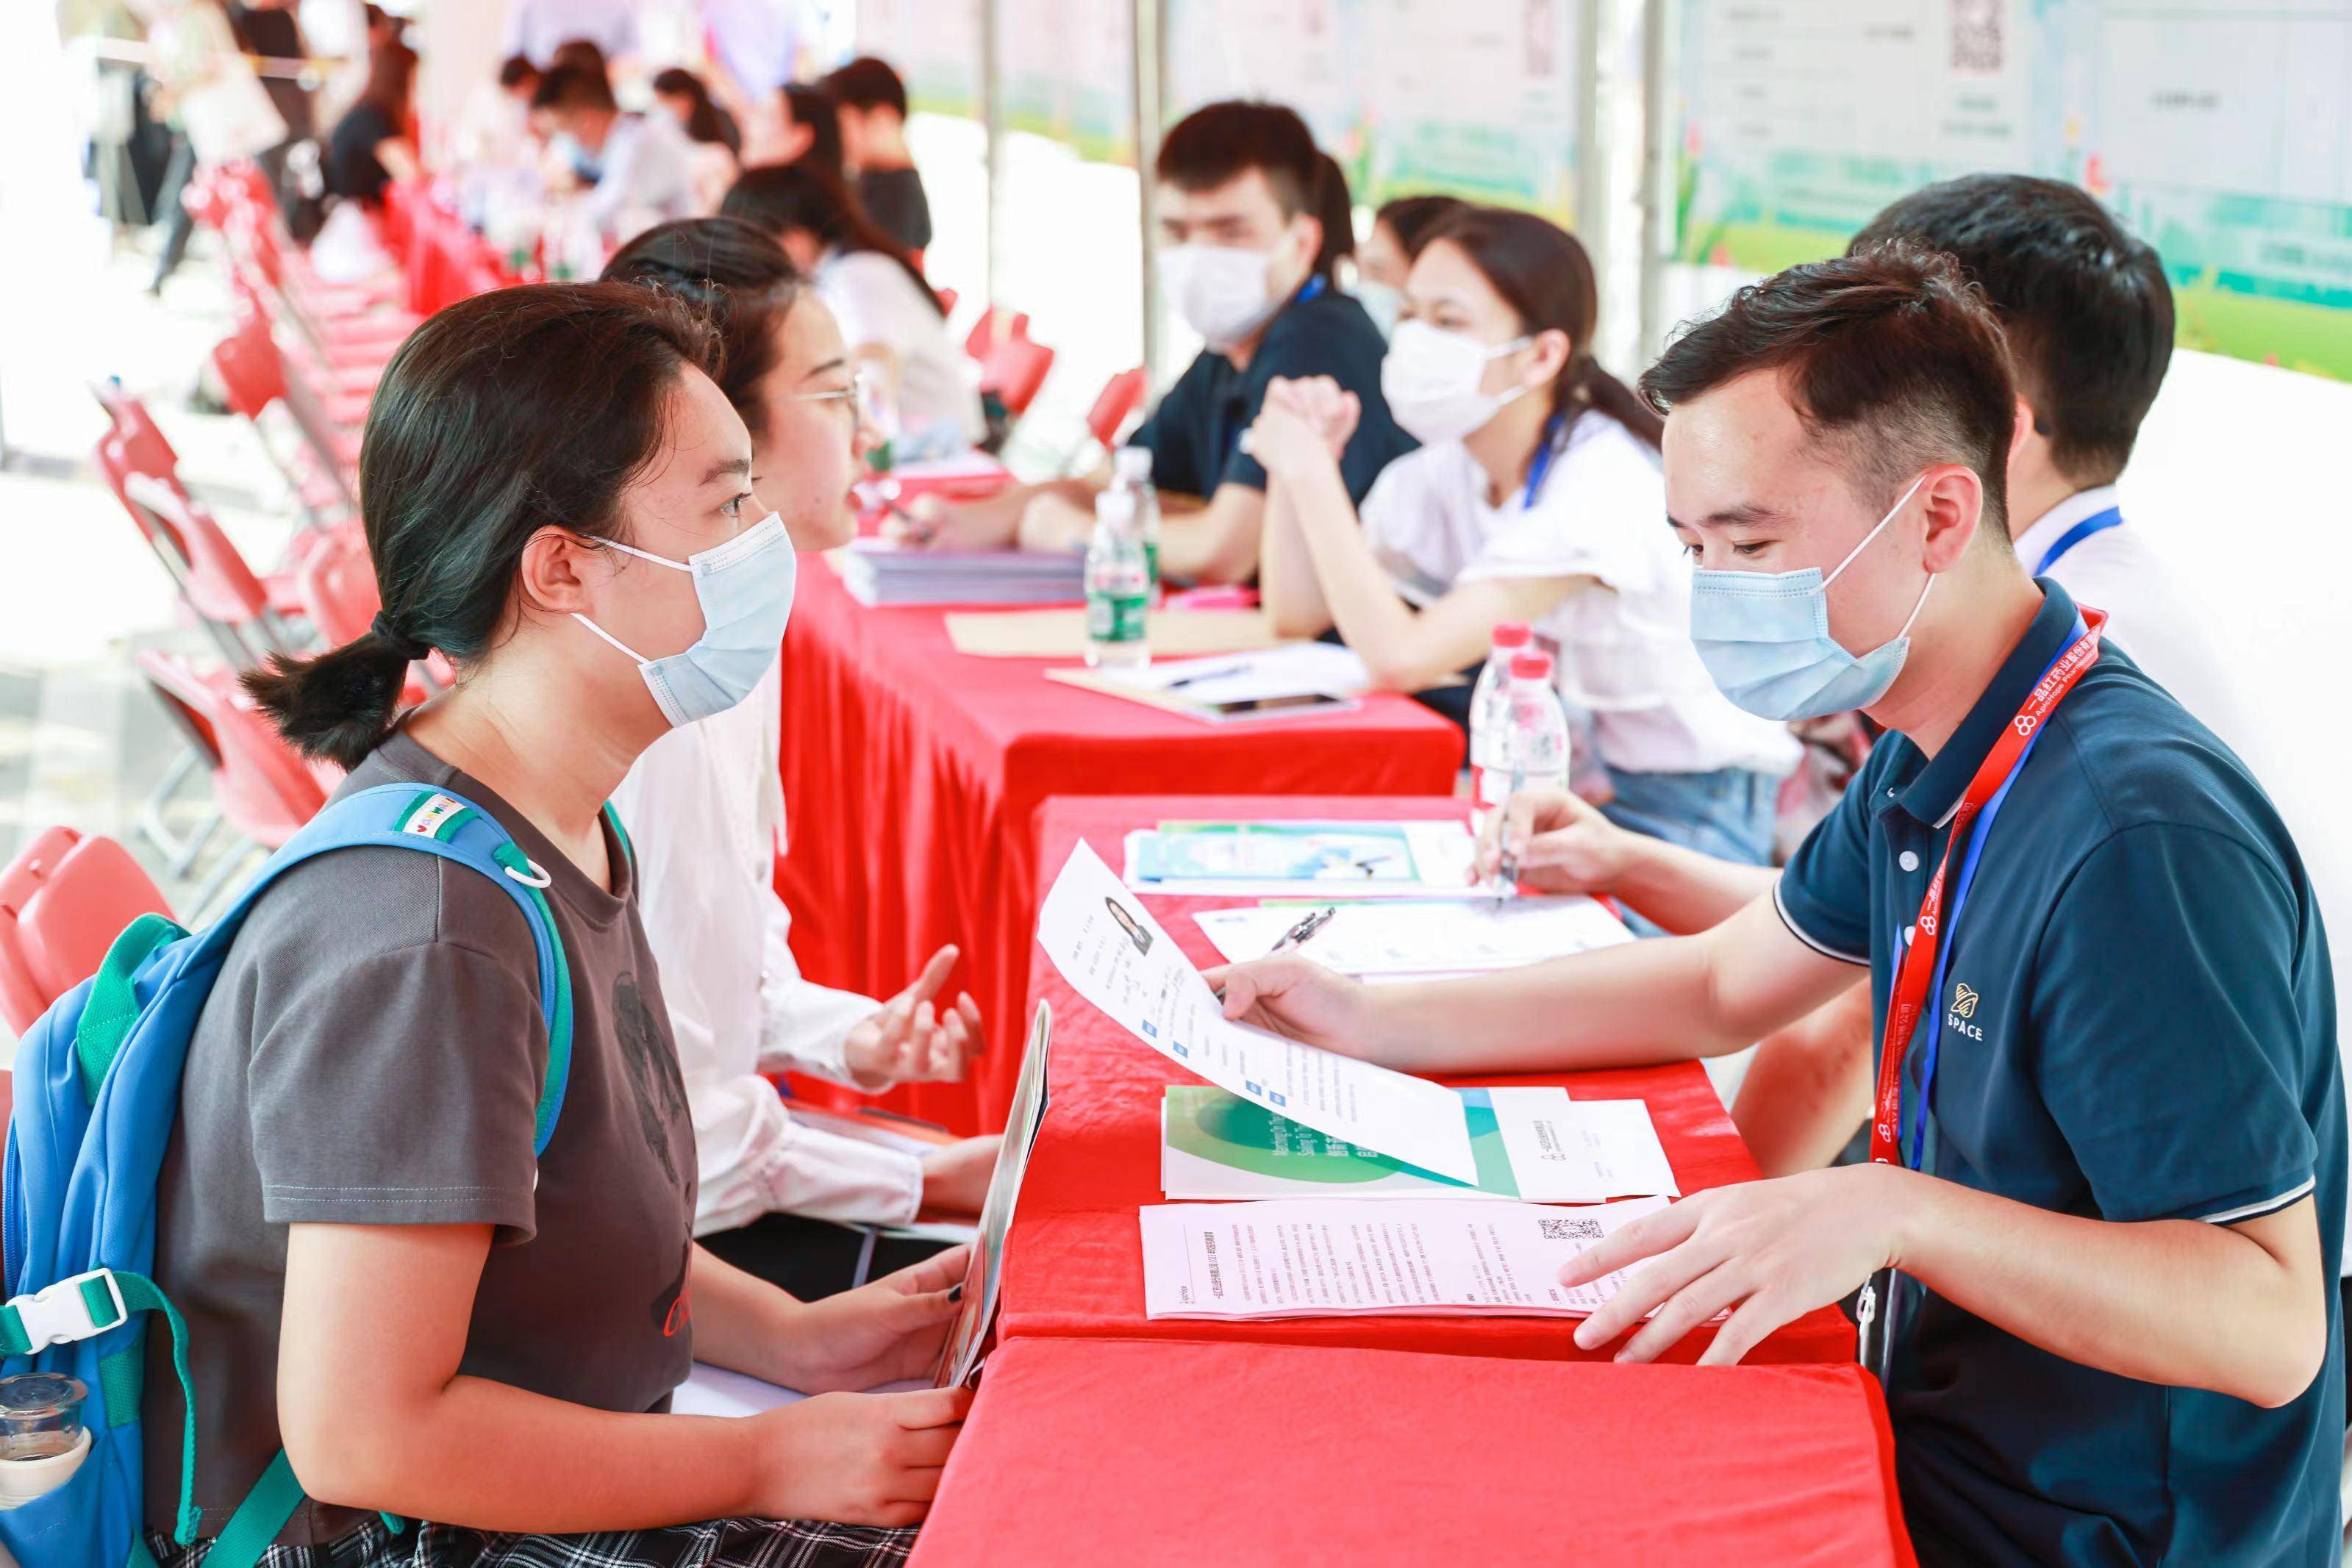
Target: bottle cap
(1531, 664)
(1513, 634)
(1132, 463)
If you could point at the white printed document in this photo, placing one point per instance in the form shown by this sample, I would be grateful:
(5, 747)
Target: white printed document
(1415, 937)
(1533, 1145)
(1354, 859)
(1113, 954)
(1423, 1257)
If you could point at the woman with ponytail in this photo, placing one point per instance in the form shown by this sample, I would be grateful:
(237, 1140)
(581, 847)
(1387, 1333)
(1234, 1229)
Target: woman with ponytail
(380, 1280)
(1536, 497)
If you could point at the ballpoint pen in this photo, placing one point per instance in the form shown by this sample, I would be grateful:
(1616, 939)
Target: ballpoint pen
(1218, 673)
(1299, 933)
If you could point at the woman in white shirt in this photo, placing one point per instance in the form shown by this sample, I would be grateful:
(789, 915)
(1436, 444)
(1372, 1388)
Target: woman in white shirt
(705, 811)
(888, 314)
(1536, 496)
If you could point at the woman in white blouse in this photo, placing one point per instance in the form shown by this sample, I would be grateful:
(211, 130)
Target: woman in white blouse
(888, 314)
(704, 809)
(1536, 496)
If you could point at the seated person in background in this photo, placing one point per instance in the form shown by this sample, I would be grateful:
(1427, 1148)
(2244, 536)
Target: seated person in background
(2105, 1201)
(777, 1196)
(1388, 251)
(369, 147)
(644, 163)
(709, 128)
(812, 128)
(1239, 239)
(1534, 496)
(870, 103)
(888, 314)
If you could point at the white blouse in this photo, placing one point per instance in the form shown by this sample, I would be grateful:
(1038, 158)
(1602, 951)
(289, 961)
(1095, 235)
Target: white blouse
(704, 809)
(1623, 640)
(874, 301)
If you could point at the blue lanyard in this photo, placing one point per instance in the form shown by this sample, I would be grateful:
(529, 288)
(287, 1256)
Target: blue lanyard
(1540, 465)
(2098, 523)
(1916, 1123)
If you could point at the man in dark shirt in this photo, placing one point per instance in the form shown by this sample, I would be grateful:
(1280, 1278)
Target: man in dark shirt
(1239, 245)
(872, 101)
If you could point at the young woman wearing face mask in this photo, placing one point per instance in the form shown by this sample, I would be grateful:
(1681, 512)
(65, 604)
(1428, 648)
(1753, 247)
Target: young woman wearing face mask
(778, 1195)
(1536, 496)
(378, 1277)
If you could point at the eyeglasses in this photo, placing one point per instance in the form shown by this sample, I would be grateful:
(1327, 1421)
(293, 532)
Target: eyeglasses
(869, 401)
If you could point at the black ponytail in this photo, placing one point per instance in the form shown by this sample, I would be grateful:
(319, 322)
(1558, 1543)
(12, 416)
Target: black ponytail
(514, 411)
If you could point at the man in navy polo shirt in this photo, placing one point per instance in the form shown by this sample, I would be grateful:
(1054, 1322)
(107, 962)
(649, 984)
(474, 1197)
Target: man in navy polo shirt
(2107, 1199)
(1242, 258)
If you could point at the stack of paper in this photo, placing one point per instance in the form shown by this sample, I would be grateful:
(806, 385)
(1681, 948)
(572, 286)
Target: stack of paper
(1531, 1144)
(1361, 860)
(1286, 681)
(1426, 1258)
(877, 572)
(1114, 955)
(1421, 938)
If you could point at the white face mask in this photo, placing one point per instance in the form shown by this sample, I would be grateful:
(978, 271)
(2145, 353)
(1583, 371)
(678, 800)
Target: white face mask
(1223, 292)
(1431, 382)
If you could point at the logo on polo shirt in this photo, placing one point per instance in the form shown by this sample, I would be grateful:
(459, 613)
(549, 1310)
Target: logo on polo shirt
(1963, 1008)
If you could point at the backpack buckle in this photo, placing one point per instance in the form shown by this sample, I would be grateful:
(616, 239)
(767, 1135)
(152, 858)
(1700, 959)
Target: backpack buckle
(61, 1313)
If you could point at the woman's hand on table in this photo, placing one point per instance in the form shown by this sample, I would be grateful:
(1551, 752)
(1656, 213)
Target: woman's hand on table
(956, 1176)
(913, 1040)
(1301, 1000)
(1766, 1251)
(1561, 844)
(879, 1333)
(855, 1458)
(927, 522)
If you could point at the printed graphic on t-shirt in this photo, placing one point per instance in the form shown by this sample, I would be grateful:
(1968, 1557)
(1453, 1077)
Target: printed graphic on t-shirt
(654, 1075)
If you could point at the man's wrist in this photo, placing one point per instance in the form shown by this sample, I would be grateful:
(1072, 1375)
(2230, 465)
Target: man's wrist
(1906, 1205)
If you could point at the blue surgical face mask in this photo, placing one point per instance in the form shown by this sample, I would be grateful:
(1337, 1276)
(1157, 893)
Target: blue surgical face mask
(1765, 638)
(745, 589)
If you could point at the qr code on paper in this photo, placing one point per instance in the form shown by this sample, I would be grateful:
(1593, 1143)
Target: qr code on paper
(1569, 1228)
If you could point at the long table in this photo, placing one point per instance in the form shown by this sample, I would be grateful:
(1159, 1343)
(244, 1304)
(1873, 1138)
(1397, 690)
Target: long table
(1073, 1263)
(1177, 1456)
(912, 779)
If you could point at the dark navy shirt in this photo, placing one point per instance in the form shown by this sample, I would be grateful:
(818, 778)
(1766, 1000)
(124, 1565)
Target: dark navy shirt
(2138, 1024)
(1195, 432)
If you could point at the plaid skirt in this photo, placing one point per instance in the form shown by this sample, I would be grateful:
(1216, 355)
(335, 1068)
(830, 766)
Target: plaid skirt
(719, 1544)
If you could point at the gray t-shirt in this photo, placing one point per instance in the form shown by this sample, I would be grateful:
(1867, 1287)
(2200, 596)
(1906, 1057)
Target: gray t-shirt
(372, 1054)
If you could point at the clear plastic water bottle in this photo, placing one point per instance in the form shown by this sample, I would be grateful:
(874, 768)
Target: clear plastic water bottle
(1118, 587)
(1130, 470)
(1534, 750)
(1490, 716)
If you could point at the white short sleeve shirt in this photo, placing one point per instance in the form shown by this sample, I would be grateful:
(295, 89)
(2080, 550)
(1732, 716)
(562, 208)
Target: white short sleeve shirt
(874, 301)
(1623, 636)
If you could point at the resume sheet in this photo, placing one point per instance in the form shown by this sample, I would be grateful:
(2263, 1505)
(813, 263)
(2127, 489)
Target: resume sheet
(1418, 1257)
(1116, 956)
(1416, 938)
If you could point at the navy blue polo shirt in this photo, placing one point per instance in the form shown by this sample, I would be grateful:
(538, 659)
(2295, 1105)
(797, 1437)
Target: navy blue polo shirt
(1195, 432)
(2138, 1024)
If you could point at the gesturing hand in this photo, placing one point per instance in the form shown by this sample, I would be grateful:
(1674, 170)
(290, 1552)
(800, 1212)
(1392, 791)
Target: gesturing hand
(1766, 1251)
(910, 1041)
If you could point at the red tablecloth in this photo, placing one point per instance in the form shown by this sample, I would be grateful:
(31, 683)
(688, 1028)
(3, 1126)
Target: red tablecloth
(1074, 1265)
(1181, 1455)
(912, 777)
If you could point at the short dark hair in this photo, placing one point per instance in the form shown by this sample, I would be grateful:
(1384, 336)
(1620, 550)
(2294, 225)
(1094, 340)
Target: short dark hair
(814, 107)
(1412, 218)
(1220, 141)
(502, 414)
(2086, 306)
(575, 86)
(867, 82)
(585, 53)
(516, 69)
(737, 278)
(1893, 358)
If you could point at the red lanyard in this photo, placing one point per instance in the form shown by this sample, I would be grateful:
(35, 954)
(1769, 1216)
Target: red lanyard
(1912, 980)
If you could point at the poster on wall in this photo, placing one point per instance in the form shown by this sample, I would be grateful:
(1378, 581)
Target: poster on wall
(1478, 98)
(2218, 132)
(935, 44)
(1068, 68)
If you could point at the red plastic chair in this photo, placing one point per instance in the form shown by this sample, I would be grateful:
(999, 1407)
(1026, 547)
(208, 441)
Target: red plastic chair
(995, 324)
(253, 376)
(336, 583)
(233, 604)
(62, 902)
(1120, 397)
(263, 788)
(1014, 370)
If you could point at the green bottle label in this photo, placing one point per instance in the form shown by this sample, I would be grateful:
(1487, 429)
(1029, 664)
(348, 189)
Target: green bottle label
(1151, 561)
(1116, 617)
